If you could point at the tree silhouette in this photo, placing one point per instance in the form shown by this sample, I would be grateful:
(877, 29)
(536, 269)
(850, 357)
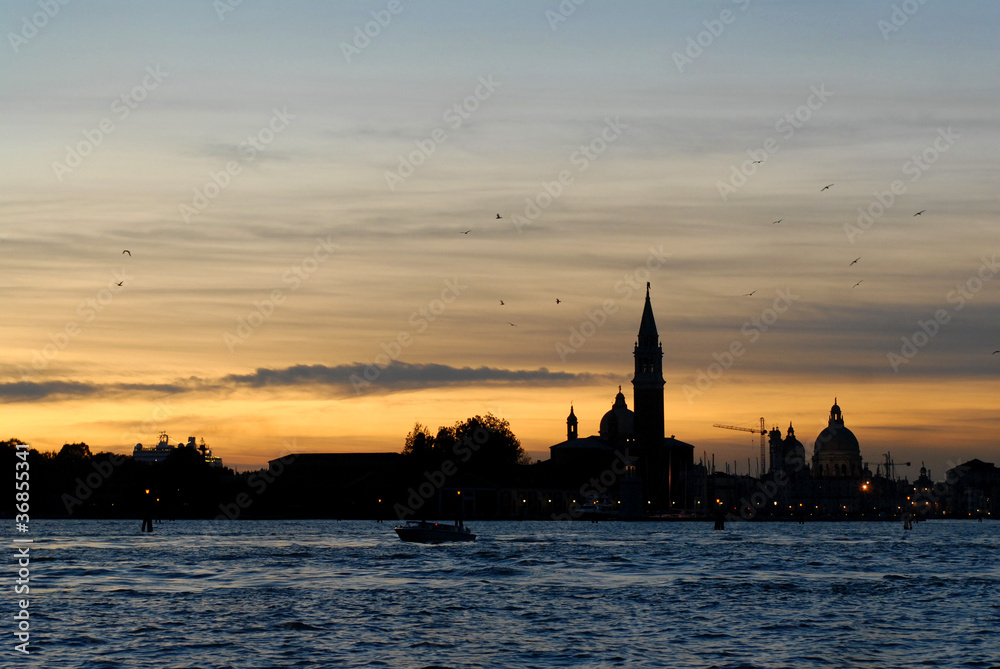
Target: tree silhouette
(419, 442)
(74, 452)
(493, 444)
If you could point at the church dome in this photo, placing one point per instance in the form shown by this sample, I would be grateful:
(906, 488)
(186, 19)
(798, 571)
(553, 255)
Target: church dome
(619, 423)
(836, 438)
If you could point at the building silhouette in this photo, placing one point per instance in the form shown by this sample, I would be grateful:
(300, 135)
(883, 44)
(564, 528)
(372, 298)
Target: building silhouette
(630, 469)
(660, 466)
(836, 453)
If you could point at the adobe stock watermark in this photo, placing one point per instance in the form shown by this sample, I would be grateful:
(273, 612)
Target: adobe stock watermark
(598, 485)
(223, 7)
(258, 482)
(915, 168)
(581, 160)
(89, 484)
(714, 28)
(768, 490)
(564, 10)
(786, 125)
(940, 490)
(435, 479)
(30, 25)
(121, 107)
(88, 310)
(363, 37)
(751, 330)
(86, 486)
(249, 148)
(928, 329)
(292, 278)
(160, 413)
(419, 321)
(454, 116)
(632, 281)
(900, 15)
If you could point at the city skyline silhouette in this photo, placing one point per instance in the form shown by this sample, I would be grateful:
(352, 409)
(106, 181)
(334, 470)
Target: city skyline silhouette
(316, 225)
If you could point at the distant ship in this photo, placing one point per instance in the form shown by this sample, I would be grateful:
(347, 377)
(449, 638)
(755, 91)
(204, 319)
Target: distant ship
(675, 515)
(596, 510)
(424, 532)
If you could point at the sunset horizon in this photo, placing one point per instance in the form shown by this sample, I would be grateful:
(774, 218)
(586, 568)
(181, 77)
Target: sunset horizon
(307, 228)
(534, 333)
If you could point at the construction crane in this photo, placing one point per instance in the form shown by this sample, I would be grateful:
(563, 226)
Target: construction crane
(890, 467)
(763, 432)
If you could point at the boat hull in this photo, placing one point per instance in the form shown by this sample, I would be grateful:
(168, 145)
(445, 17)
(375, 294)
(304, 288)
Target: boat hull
(433, 533)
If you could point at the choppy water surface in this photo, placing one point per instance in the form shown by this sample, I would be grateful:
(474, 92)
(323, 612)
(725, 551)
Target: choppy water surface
(526, 594)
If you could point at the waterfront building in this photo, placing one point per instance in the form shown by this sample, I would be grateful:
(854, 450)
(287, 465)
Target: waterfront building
(662, 465)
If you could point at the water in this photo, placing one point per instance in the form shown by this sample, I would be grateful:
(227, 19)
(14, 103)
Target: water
(526, 594)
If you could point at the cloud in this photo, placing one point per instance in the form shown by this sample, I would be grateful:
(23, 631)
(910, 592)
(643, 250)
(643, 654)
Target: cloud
(30, 391)
(341, 379)
(399, 376)
(26, 391)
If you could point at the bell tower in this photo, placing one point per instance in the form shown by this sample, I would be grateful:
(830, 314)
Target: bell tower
(647, 385)
(571, 425)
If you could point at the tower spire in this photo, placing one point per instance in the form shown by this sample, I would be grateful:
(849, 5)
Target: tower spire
(648, 336)
(647, 392)
(648, 381)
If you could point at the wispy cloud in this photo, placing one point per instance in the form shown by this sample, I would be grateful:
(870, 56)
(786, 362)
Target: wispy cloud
(400, 375)
(27, 391)
(337, 379)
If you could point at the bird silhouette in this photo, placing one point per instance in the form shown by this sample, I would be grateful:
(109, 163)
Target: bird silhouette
(558, 300)
(857, 284)
(501, 303)
(465, 232)
(120, 282)
(995, 352)
(499, 217)
(756, 162)
(778, 221)
(920, 212)
(825, 188)
(853, 262)
(127, 251)
(511, 324)
(749, 294)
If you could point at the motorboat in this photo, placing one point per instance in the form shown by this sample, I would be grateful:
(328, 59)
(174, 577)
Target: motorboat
(426, 532)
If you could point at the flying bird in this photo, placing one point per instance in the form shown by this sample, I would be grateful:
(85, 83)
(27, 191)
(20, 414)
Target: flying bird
(995, 352)
(120, 282)
(127, 251)
(465, 232)
(511, 324)
(857, 284)
(920, 212)
(778, 221)
(501, 303)
(853, 262)
(825, 188)
(757, 162)
(749, 294)
(558, 300)
(499, 217)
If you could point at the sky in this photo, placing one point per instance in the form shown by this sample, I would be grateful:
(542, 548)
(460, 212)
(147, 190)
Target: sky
(308, 192)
